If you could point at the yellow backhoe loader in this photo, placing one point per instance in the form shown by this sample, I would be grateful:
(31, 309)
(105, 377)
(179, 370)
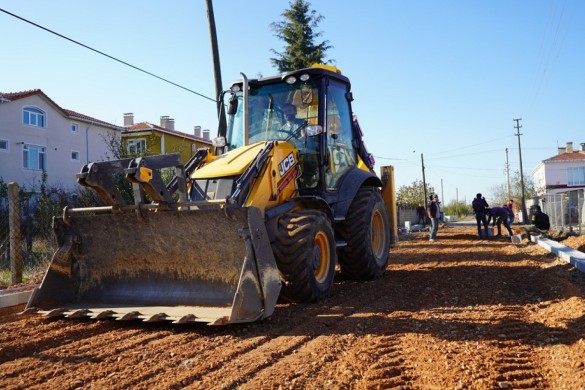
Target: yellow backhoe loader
(286, 193)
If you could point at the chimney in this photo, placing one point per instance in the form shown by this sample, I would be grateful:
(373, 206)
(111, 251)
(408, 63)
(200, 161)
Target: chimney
(582, 147)
(197, 131)
(562, 149)
(128, 119)
(206, 134)
(167, 122)
(569, 147)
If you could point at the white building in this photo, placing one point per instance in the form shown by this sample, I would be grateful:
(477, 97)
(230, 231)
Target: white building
(36, 134)
(561, 173)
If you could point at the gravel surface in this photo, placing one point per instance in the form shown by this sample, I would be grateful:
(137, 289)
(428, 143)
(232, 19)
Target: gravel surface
(457, 313)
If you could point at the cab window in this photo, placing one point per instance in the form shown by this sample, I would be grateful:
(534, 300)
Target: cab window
(342, 155)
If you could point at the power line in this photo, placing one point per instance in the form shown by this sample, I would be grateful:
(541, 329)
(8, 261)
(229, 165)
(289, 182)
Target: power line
(107, 55)
(469, 146)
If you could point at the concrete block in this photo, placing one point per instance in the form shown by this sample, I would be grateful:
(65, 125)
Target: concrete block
(13, 297)
(516, 238)
(570, 255)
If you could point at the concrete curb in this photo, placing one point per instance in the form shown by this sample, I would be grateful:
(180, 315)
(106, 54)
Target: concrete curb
(570, 255)
(14, 297)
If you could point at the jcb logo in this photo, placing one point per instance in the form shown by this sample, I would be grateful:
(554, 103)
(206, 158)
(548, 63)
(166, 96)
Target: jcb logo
(285, 165)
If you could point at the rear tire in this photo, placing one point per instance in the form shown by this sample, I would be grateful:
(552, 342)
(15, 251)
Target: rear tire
(304, 250)
(366, 231)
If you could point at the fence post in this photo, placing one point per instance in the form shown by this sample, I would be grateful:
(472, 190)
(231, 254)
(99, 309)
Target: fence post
(14, 227)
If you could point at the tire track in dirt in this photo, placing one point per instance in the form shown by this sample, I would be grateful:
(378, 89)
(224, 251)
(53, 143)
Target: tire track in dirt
(386, 362)
(343, 333)
(154, 358)
(250, 350)
(515, 363)
(90, 336)
(258, 346)
(216, 346)
(99, 349)
(42, 335)
(344, 316)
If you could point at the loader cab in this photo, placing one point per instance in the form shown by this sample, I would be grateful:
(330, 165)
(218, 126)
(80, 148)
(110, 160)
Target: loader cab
(322, 129)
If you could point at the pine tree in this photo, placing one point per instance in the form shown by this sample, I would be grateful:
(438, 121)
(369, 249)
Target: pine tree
(298, 33)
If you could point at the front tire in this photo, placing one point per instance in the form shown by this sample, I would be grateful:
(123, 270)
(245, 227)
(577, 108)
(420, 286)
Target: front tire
(304, 250)
(366, 230)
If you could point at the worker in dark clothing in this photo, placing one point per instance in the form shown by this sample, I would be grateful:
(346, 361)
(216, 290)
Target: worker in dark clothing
(480, 208)
(500, 216)
(540, 219)
(540, 223)
(510, 206)
(421, 214)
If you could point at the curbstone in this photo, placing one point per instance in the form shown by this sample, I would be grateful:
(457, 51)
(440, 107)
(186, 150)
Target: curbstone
(570, 255)
(13, 297)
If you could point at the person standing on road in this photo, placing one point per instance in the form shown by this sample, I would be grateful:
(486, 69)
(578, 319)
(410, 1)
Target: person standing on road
(480, 208)
(501, 215)
(434, 213)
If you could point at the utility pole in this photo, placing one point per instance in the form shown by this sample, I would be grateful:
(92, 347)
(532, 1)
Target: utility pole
(422, 160)
(442, 195)
(507, 166)
(216, 69)
(523, 203)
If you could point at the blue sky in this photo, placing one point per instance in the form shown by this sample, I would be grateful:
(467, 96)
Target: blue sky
(440, 78)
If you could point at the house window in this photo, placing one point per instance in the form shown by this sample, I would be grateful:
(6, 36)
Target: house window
(33, 157)
(136, 146)
(32, 116)
(576, 176)
(74, 156)
(75, 128)
(3, 145)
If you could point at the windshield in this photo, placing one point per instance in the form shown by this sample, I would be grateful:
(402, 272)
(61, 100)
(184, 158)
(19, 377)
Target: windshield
(275, 111)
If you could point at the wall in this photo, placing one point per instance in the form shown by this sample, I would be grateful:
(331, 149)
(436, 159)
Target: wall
(57, 138)
(406, 214)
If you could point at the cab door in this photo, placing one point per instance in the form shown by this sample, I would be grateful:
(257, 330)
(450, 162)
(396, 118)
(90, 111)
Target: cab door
(338, 122)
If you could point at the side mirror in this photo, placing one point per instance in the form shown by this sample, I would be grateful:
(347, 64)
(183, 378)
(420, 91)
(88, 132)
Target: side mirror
(232, 105)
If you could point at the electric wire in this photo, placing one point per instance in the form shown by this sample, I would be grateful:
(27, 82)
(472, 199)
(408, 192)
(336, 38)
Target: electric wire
(109, 56)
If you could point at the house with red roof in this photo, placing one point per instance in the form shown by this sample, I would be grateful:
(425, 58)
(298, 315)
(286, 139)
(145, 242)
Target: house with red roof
(145, 138)
(37, 135)
(562, 172)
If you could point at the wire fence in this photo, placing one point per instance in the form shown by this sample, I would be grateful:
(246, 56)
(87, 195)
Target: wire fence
(566, 210)
(26, 236)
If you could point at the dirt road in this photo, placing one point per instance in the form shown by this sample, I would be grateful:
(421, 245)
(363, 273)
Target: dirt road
(457, 313)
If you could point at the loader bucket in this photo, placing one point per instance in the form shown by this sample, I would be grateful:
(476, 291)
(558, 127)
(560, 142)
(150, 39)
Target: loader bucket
(182, 266)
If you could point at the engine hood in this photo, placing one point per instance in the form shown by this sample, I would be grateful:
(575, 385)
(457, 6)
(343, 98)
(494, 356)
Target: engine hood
(232, 163)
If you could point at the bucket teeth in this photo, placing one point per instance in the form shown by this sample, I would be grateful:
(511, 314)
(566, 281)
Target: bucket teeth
(103, 315)
(133, 315)
(186, 319)
(82, 313)
(157, 318)
(56, 312)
